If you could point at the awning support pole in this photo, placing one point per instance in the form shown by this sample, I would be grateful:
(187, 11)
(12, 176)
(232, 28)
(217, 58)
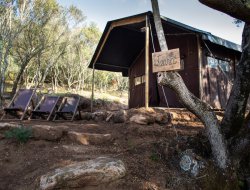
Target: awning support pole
(147, 65)
(201, 94)
(93, 86)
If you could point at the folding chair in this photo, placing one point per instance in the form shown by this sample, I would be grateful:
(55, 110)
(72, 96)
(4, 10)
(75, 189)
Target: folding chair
(68, 108)
(45, 108)
(20, 103)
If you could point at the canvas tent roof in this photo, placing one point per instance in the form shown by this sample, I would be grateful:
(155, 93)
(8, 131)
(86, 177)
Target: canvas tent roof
(122, 41)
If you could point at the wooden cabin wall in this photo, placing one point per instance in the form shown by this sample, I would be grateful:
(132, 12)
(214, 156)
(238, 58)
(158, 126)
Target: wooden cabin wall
(137, 92)
(190, 74)
(216, 83)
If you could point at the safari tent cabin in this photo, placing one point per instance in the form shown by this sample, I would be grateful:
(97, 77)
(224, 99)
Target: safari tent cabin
(209, 61)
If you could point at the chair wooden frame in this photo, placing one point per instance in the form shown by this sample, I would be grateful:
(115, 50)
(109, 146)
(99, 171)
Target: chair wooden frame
(9, 109)
(43, 113)
(60, 113)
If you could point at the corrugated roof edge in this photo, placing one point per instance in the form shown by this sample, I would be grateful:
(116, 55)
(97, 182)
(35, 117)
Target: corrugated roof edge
(206, 35)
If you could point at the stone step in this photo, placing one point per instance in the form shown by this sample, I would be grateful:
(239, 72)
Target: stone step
(89, 138)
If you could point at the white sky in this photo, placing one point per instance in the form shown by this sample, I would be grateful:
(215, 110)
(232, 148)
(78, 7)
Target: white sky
(189, 12)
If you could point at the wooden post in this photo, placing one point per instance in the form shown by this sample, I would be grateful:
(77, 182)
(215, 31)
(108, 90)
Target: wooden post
(147, 65)
(93, 86)
(200, 66)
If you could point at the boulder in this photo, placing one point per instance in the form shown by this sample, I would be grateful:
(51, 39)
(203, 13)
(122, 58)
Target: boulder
(186, 117)
(84, 103)
(162, 118)
(46, 132)
(86, 116)
(120, 116)
(191, 163)
(175, 116)
(89, 138)
(84, 174)
(8, 126)
(99, 116)
(142, 119)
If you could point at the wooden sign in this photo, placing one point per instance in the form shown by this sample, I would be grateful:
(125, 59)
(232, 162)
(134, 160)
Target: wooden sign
(167, 61)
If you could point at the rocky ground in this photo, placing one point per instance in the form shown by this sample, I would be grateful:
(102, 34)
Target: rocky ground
(157, 151)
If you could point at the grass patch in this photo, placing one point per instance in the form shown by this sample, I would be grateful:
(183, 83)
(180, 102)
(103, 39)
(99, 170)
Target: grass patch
(155, 157)
(21, 134)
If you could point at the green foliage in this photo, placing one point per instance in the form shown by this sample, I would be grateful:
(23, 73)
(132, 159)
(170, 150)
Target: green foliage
(155, 157)
(51, 44)
(21, 134)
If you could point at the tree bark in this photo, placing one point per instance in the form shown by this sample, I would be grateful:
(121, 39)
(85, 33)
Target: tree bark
(174, 81)
(236, 106)
(239, 9)
(19, 75)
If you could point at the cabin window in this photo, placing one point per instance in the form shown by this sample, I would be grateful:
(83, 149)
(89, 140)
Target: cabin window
(215, 63)
(139, 80)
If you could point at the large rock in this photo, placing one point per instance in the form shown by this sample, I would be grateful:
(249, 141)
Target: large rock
(89, 138)
(84, 174)
(142, 119)
(120, 116)
(86, 116)
(8, 126)
(99, 116)
(189, 162)
(162, 118)
(46, 132)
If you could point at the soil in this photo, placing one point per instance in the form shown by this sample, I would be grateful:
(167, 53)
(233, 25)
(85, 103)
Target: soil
(151, 153)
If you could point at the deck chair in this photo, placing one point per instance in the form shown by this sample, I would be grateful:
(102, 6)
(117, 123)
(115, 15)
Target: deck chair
(20, 103)
(45, 108)
(68, 108)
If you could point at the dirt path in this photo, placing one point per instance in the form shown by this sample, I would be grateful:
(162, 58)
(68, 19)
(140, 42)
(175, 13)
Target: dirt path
(149, 153)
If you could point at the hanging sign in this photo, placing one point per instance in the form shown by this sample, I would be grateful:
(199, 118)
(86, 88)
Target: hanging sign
(167, 61)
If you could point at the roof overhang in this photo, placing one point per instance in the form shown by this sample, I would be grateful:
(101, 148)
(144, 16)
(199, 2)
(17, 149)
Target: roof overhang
(122, 41)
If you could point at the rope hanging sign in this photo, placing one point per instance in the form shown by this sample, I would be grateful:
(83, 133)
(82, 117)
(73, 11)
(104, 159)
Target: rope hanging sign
(167, 61)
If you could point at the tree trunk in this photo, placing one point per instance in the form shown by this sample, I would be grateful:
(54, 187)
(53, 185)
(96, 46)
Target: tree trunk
(174, 81)
(239, 9)
(234, 115)
(236, 107)
(19, 75)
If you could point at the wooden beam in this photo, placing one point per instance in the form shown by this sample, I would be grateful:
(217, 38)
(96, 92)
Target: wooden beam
(116, 66)
(147, 65)
(93, 86)
(200, 67)
(128, 21)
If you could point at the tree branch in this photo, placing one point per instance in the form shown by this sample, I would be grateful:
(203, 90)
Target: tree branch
(239, 9)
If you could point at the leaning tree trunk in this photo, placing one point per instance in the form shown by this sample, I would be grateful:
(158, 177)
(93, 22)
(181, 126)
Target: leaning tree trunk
(174, 81)
(239, 9)
(236, 107)
(19, 75)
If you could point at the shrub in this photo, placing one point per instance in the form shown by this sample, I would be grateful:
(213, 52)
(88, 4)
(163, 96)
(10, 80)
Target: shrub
(21, 134)
(155, 157)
